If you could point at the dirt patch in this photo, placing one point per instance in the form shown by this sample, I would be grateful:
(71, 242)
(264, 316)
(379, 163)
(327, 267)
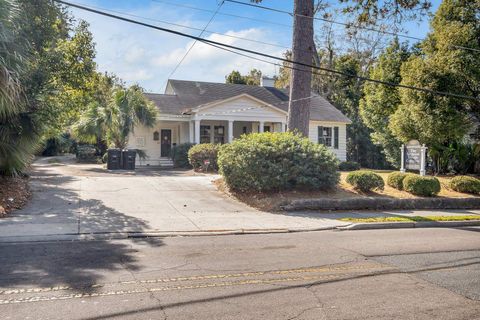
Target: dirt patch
(14, 194)
(273, 201)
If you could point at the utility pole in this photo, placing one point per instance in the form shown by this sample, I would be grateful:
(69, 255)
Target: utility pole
(301, 76)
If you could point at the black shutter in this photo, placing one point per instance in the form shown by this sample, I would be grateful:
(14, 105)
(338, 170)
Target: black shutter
(320, 135)
(335, 137)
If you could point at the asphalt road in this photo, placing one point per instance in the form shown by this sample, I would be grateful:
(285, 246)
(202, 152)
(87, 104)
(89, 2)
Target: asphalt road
(376, 274)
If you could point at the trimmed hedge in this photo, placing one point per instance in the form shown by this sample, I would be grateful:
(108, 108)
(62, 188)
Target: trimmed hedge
(395, 180)
(201, 152)
(349, 166)
(180, 155)
(277, 161)
(421, 186)
(365, 180)
(465, 184)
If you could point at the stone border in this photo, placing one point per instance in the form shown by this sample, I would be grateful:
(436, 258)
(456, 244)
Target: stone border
(379, 203)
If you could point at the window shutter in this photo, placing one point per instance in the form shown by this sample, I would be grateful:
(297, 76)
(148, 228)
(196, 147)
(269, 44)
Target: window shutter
(320, 135)
(335, 137)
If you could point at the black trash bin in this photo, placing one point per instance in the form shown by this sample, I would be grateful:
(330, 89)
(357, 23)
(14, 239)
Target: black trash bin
(114, 159)
(128, 157)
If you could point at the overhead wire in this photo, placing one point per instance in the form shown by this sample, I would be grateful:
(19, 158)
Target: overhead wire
(233, 48)
(194, 42)
(345, 24)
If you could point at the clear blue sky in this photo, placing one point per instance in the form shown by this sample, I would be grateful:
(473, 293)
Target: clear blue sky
(145, 56)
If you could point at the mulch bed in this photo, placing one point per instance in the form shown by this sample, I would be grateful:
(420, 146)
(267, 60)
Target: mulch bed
(14, 194)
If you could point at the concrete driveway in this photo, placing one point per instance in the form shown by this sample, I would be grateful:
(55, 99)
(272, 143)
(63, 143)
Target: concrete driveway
(75, 199)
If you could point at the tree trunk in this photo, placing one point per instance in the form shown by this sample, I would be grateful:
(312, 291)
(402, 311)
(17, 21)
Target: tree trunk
(300, 81)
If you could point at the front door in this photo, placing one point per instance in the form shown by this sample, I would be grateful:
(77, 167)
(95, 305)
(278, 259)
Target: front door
(166, 138)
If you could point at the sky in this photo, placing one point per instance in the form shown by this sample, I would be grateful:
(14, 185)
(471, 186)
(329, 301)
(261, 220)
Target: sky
(146, 56)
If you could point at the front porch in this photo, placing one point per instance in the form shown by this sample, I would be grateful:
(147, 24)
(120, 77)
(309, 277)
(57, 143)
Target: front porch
(157, 142)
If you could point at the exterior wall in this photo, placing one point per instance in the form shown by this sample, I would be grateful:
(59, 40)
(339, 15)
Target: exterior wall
(142, 139)
(341, 152)
(241, 109)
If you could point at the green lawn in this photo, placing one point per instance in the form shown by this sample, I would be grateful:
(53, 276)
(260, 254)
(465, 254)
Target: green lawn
(413, 218)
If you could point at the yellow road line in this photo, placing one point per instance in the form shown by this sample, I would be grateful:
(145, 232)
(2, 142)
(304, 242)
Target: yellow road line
(151, 290)
(197, 278)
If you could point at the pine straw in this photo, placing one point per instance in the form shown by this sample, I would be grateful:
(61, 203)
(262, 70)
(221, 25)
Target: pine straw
(14, 194)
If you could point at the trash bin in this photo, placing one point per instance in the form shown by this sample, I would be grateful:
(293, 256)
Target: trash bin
(114, 159)
(128, 157)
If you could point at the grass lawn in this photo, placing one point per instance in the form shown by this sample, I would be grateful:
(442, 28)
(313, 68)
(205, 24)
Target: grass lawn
(271, 201)
(413, 219)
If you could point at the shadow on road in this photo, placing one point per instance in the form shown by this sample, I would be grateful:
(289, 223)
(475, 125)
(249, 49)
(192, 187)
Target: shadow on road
(277, 289)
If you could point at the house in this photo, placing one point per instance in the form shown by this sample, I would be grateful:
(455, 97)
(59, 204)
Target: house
(203, 112)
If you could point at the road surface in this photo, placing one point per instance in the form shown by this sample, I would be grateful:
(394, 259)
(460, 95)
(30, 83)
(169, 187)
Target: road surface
(376, 274)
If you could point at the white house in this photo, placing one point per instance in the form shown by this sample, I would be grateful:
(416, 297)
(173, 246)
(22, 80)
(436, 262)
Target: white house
(202, 112)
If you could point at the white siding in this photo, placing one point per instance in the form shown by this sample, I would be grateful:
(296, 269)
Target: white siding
(341, 152)
(152, 147)
(241, 109)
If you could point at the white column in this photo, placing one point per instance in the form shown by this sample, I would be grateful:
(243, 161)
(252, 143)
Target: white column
(230, 131)
(282, 128)
(261, 126)
(190, 131)
(197, 131)
(402, 158)
(423, 159)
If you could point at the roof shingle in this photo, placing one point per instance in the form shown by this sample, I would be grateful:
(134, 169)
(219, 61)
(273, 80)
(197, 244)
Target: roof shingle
(190, 94)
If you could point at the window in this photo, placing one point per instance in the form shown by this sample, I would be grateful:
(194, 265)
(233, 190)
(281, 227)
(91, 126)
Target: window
(156, 136)
(219, 134)
(266, 129)
(325, 135)
(204, 134)
(244, 130)
(335, 137)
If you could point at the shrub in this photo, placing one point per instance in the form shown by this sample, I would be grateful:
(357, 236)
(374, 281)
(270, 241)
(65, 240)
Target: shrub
(86, 153)
(277, 161)
(349, 166)
(421, 186)
(365, 180)
(465, 184)
(201, 152)
(105, 157)
(395, 180)
(180, 155)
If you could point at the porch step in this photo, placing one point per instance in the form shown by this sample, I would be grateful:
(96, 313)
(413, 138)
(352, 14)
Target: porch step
(166, 163)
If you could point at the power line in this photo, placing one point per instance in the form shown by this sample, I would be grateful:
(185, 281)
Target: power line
(231, 47)
(222, 13)
(194, 42)
(191, 28)
(345, 24)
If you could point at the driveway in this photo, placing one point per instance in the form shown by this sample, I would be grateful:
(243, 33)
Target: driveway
(78, 199)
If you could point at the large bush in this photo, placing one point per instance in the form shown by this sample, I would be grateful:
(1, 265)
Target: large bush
(201, 152)
(180, 155)
(349, 166)
(365, 180)
(395, 180)
(421, 186)
(465, 184)
(277, 161)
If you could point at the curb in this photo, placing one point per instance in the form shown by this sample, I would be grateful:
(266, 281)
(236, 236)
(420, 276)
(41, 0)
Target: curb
(149, 234)
(405, 225)
(375, 203)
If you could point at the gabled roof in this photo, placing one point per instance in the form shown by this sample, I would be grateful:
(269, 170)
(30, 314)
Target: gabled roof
(182, 96)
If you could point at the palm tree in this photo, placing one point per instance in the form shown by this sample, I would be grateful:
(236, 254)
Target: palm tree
(115, 121)
(19, 136)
